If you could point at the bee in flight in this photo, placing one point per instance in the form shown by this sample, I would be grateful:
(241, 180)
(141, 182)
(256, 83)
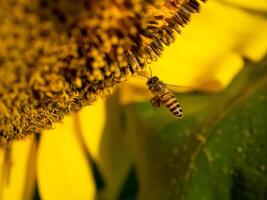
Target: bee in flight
(163, 95)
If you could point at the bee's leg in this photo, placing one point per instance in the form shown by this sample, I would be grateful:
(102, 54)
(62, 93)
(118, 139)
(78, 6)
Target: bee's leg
(155, 101)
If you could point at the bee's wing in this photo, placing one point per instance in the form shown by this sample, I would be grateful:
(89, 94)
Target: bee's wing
(130, 93)
(181, 88)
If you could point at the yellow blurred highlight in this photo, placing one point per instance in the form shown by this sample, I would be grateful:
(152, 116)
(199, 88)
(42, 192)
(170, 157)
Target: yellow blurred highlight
(256, 4)
(220, 31)
(209, 52)
(63, 170)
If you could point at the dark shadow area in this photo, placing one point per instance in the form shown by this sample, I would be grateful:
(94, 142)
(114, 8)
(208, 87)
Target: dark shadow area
(130, 189)
(244, 188)
(99, 181)
(36, 194)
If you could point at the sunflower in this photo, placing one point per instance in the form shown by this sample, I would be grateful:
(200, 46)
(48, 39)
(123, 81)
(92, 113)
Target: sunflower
(98, 152)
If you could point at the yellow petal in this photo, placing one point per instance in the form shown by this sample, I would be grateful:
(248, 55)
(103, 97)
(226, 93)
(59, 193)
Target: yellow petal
(63, 170)
(221, 77)
(256, 4)
(104, 136)
(17, 174)
(93, 119)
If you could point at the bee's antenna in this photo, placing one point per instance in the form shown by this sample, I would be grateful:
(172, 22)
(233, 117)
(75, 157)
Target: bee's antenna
(143, 75)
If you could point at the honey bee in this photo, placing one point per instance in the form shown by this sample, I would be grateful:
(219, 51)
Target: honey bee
(163, 95)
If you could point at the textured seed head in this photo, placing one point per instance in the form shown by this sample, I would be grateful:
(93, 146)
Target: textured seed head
(58, 56)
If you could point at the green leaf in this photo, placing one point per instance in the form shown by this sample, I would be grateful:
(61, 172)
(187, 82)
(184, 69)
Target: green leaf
(218, 151)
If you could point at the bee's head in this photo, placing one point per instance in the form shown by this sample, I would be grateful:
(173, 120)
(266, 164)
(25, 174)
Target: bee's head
(152, 80)
(155, 85)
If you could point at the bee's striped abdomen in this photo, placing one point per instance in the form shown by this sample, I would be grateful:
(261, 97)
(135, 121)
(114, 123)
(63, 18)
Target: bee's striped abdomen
(168, 99)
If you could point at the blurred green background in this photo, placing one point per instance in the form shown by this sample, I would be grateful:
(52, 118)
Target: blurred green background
(217, 151)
